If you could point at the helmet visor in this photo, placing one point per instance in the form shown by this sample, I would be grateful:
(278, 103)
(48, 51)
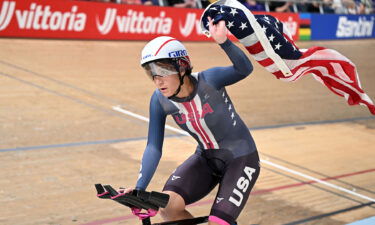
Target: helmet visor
(159, 69)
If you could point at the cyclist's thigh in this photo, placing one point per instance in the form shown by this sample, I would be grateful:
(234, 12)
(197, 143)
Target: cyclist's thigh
(235, 187)
(192, 180)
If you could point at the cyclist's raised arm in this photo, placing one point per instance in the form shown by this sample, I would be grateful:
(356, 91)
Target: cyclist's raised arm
(241, 68)
(224, 76)
(153, 151)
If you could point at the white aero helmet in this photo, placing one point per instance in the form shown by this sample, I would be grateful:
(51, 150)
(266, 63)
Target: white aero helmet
(160, 52)
(163, 47)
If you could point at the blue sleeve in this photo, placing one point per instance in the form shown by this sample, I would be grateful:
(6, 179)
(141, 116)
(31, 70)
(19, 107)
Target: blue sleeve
(153, 151)
(224, 76)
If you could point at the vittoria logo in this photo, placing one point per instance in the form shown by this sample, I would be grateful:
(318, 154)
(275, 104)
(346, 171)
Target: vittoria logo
(39, 17)
(6, 14)
(73, 19)
(191, 22)
(109, 20)
(134, 22)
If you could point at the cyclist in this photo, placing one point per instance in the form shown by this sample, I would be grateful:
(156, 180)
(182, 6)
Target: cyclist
(226, 153)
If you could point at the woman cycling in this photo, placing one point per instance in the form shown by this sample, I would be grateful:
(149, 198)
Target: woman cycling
(226, 153)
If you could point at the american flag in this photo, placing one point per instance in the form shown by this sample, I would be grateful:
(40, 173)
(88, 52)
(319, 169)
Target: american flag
(265, 35)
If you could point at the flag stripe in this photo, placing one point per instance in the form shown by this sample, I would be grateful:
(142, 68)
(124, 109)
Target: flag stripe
(311, 51)
(255, 48)
(353, 96)
(266, 62)
(249, 40)
(260, 56)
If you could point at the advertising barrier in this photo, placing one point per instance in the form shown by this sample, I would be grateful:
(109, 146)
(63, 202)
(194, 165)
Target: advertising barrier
(327, 26)
(106, 21)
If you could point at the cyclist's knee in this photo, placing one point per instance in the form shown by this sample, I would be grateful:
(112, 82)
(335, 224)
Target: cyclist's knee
(176, 204)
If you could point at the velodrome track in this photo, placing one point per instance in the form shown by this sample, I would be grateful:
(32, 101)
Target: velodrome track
(60, 135)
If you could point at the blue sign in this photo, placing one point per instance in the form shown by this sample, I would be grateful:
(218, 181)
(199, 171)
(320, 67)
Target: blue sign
(331, 26)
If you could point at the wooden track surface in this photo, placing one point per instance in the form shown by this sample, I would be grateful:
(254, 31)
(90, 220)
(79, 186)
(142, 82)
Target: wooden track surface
(60, 136)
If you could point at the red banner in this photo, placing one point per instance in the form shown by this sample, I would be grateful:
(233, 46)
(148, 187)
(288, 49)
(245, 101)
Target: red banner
(93, 20)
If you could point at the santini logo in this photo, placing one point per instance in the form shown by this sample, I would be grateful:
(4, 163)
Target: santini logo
(134, 22)
(353, 28)
(40, 17)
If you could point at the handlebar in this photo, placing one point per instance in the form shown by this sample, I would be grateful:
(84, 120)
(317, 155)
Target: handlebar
(144, 200)
(135, 199)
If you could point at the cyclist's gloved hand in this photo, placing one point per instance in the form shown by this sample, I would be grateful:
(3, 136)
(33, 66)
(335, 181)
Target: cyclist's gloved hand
(137, 211)
(123, 190)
